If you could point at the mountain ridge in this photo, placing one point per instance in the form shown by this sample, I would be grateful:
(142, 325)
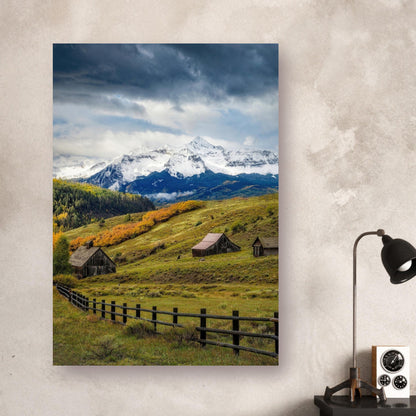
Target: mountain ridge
(205, 171)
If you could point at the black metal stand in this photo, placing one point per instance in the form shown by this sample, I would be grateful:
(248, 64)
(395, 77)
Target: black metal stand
(355, 384)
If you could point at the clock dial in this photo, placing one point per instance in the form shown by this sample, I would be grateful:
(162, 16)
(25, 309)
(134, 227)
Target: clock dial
(384, 380)
(392, 361)
(400, 382)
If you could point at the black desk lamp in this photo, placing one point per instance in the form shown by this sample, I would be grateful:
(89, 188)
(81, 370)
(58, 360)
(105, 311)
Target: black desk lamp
(399, 259)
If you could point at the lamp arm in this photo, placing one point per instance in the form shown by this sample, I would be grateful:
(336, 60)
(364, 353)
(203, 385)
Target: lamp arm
(380, 233)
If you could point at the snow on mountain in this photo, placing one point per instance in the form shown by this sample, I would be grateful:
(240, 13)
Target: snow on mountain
(74, 167)
(195, 158)
(253, 161)
(142, 164)
(234, 162)
(185, 164)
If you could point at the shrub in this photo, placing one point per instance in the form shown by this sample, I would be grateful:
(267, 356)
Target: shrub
(119, 258)
(181, 335)
(107, 346)
(65, 280)
(238, 227)
(139, 329)
(155, 294)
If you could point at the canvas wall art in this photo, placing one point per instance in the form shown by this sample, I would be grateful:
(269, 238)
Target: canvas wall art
(165, 204)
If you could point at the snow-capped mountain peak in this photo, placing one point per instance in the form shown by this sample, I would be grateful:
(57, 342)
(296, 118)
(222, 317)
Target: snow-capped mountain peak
(195, 158)
(202, 146)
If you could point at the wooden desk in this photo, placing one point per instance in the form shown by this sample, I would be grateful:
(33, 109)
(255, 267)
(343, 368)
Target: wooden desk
(366, 406)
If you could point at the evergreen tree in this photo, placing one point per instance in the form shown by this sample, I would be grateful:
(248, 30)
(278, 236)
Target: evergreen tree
(61, 257)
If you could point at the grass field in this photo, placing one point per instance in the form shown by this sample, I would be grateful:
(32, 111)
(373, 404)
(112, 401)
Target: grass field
(157, 269)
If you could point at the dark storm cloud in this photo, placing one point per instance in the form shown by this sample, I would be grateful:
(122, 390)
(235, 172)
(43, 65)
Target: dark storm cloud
(179, 73)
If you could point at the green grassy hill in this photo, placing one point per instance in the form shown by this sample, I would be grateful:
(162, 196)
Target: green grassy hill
(154, 255)
(157, 267)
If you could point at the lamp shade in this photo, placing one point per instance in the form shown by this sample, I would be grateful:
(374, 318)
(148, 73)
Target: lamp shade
(399, 259)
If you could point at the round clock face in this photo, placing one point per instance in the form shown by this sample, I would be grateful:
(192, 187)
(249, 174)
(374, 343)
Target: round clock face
(392, 361)
(400, 382)
(384, 380)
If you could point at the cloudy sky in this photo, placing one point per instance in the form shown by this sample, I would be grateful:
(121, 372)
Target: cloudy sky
(111, 99)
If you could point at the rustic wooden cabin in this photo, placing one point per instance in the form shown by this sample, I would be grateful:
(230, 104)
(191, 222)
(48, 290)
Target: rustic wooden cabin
(214, 243)
(91, 261)
(265, 246)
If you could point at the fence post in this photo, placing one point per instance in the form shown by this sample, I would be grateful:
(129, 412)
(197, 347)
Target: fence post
(236, 337)
(103, 309)
(94, 306)
(124, 313)
(138, 310)
(276, 333)
(203, 324)
(154, 316)
(87, 304)
(175, 317)
(113, 309)
(70, 296)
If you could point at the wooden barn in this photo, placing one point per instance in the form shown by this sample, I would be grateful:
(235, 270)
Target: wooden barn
(265, 246)
(91, 261)
(214, 243)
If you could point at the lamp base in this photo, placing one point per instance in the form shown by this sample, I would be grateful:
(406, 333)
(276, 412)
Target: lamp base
(355, 384)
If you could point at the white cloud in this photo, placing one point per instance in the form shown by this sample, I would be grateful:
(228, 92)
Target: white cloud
(109, 144)
(249, 141)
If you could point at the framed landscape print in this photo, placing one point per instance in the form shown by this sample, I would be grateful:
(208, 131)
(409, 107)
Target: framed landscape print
(165, 204)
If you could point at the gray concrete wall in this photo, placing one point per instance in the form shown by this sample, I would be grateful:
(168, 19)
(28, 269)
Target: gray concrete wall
(347, 165)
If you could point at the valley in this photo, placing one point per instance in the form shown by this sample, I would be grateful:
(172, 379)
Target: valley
(157, 269)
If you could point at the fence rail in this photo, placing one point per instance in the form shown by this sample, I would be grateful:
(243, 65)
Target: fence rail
(83, 303)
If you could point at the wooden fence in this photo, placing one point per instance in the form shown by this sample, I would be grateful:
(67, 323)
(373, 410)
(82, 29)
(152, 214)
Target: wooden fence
(105, 309)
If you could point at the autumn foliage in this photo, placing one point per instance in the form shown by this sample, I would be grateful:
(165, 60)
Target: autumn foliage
(76, 204)
(123, 232)
(56, 237)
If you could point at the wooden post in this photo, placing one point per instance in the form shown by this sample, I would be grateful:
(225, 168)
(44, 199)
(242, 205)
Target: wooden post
(94, 306)
(203, 324)
(70, 296)
(103, 309)
(154, 316)
(175, 317)
(124, 313)
(138, 310)
(87, 304)
(113, 309)
(236, 337)
(276, 332)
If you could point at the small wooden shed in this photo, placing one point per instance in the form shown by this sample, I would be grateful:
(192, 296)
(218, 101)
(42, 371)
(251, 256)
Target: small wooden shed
(90, 261)
(265, 246)
(214, 243)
